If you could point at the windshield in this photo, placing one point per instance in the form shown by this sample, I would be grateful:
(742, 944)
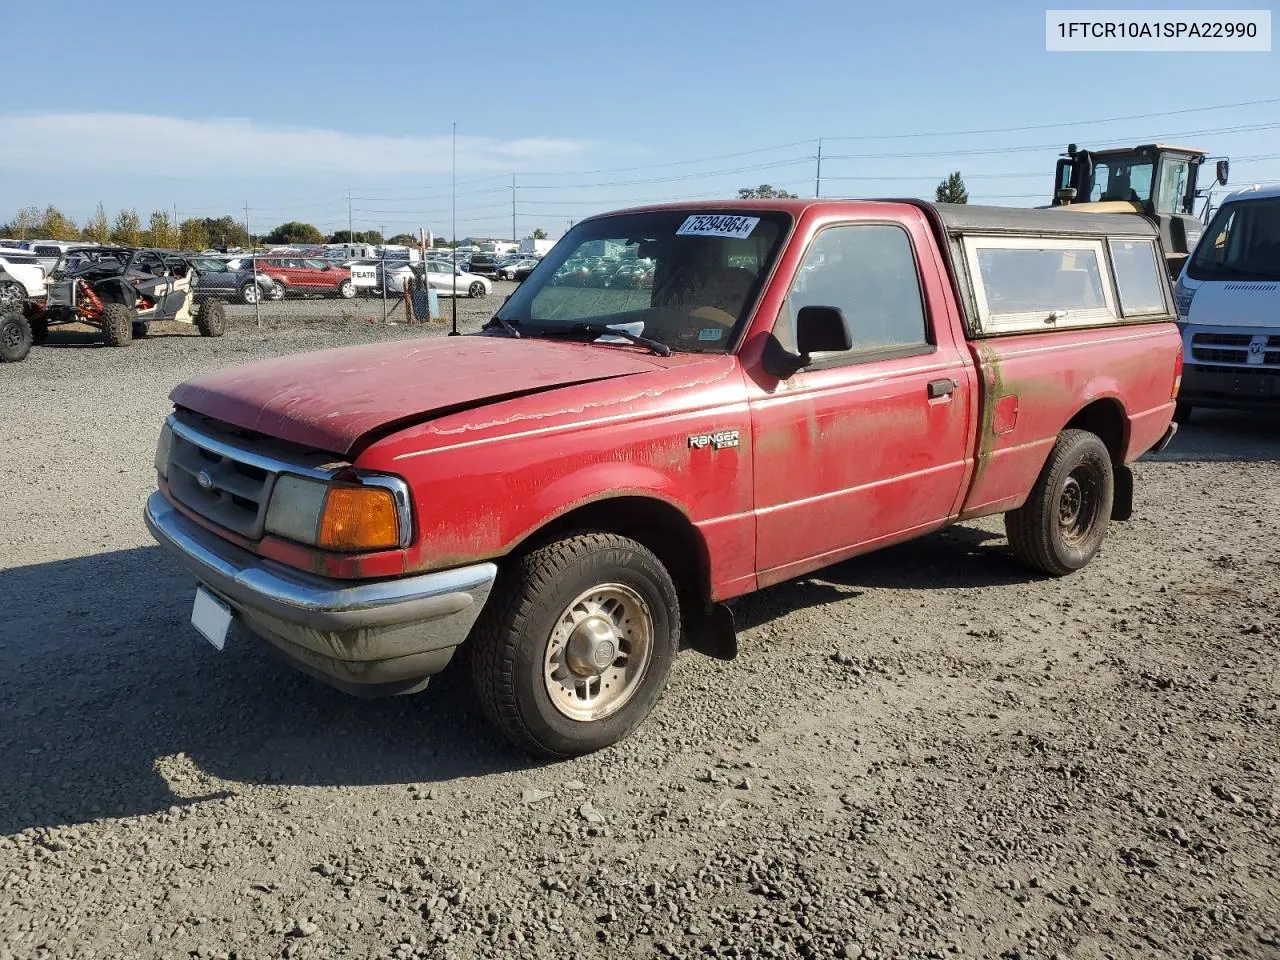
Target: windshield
(685, 278)
(1124, 177)
(1242, 243)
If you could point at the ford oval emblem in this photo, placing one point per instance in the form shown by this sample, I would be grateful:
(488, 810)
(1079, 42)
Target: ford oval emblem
(205, 479)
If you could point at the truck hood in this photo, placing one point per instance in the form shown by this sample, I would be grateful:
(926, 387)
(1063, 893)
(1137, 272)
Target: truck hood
(331, 399)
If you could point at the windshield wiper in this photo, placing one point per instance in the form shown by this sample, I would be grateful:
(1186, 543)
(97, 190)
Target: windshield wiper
(604, 329)
(506, 325)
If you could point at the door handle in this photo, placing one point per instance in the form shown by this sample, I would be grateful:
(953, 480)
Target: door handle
(941, 388)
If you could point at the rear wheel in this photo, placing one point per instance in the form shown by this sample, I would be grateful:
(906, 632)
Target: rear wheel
(574, 647)
(1062, 525)
(346, 290)
(117, 325)
(250, 292)
(12, 293)
(476, 290)
(211, 318)
(15, 336)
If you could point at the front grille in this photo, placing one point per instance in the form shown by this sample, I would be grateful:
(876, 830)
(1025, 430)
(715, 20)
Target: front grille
(227, 476)
(61, 294)
(1222, 339)
(1213, 355)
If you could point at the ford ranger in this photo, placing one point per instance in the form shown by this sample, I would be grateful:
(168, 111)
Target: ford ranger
(569, 497)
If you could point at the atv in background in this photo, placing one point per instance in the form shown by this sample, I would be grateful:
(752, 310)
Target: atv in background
(15, 336)
(120, 290)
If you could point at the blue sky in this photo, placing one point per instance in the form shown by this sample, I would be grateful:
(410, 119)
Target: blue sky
(287, 106)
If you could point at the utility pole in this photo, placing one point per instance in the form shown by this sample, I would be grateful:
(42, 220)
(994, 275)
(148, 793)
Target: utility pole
(253, 259)
(454, 228)
(514, 238)
(817, 179)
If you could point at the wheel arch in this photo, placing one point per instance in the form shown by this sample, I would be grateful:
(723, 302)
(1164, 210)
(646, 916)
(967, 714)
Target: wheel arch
(1107, 419)
(658, 524)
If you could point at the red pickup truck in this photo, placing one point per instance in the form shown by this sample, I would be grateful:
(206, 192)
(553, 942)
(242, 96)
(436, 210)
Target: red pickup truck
(570, 496)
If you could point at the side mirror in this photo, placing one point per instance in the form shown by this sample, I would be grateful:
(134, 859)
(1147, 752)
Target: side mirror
(818, 330)
(1224, 168)
(1066, 195)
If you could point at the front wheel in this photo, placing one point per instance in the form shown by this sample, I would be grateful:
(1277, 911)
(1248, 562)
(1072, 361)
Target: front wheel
(15, 337)
(476, 290)
(1061, 526)
(346, 290)
(574, 647)
(276, 291)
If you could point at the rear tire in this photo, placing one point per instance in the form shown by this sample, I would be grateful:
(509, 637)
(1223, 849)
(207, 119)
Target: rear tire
(476, 290)
(12, 294)
(250, 293)
(15, 337)
(346, 290)
(597, 601)
(117, 325)
(1062, 525)
(211, 319)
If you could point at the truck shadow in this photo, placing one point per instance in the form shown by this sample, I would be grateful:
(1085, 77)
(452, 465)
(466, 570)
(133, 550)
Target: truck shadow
(111, 705)
(956, 557)
(1238, 436)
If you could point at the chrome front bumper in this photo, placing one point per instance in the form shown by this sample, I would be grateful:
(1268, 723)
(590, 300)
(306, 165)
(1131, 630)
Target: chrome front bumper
(370, 638)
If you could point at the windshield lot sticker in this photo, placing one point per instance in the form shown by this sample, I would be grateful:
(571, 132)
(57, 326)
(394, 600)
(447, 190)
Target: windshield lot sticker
(710, 333)
(717, 225)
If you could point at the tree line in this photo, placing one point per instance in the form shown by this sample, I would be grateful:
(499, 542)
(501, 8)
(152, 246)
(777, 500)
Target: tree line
(194, 233)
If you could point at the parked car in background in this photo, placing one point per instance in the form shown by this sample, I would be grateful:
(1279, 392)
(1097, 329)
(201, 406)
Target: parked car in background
(49, 252)
(216, 277)
(308, 276)
(1228, 298)
(483, 265)
(21, 276)
(444, 278)
(508, 270)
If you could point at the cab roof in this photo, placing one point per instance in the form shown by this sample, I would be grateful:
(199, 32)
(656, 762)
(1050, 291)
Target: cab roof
(954, 218)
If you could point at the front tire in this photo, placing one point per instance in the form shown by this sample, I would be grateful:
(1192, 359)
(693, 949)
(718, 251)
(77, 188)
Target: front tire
(1064, 521)
(211, 318)
(575, 645)
(15, 337)
(346, 290)
(117, 325)
(276, 292)
(476, 290)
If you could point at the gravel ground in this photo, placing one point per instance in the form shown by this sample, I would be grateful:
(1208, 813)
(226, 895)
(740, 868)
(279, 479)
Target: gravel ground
(927, 752)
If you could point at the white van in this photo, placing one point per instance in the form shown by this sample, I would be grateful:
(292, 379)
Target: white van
(1228, 298)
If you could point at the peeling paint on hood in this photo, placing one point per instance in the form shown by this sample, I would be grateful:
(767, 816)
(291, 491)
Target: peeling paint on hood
(330, 399)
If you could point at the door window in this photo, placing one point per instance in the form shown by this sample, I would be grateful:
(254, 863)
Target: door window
(867, 271)
(1171, 197)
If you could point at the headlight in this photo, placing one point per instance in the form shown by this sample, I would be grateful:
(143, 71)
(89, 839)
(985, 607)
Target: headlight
(162, 451)
(340, 516)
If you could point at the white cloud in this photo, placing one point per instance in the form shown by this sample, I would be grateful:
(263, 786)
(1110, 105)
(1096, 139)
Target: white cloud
(232, 147)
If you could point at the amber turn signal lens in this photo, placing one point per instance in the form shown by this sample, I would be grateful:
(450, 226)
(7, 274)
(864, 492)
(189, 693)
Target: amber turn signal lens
(359, 518)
